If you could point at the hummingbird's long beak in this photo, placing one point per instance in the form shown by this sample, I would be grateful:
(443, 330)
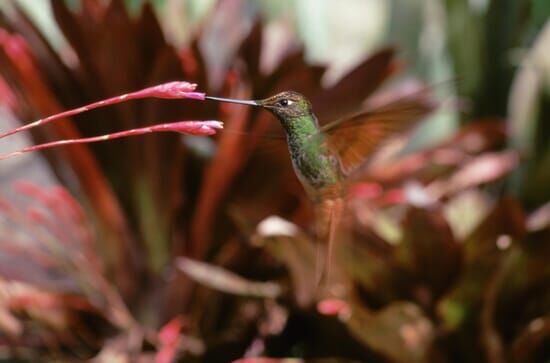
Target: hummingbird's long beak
(232, 100)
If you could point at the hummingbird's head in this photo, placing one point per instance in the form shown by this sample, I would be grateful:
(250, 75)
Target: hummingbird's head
(286, 105)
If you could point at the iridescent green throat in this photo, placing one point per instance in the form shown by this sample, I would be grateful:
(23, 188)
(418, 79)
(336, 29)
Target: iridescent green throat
(313, 162)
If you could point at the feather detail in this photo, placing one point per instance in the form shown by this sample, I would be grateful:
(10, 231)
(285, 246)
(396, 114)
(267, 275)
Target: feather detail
(329, 213)
(355, 139)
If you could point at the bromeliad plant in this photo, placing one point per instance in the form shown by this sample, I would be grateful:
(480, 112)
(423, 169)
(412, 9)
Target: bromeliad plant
(421, 272)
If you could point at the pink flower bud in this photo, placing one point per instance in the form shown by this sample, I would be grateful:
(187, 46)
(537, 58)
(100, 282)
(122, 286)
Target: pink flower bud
(193, 127)
(333, 307)
(176, 89)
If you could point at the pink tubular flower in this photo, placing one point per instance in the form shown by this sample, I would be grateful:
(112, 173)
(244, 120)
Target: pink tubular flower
(170, 90)
(200, 128)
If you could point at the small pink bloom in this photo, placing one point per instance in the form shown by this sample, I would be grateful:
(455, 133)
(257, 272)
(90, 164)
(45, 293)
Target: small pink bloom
(168, 337)
(333, 307)
(194, 127)
(366, 190)
(176, 89)
(170, 332)
(394, 196)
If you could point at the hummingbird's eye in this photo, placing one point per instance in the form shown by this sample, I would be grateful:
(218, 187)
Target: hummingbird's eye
(285, 102)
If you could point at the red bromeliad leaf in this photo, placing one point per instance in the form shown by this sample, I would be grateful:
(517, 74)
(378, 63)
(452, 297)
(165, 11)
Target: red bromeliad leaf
(482, 169)
(7, 96)
(441, 159)
(51, 245)
(347, 96)
(482, 252)
(226, 281)
(429, 252)
(223, 168)
(296, 251)
(23, 68)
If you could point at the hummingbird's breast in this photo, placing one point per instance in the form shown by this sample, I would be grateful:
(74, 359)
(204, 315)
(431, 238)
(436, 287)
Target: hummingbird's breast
(314, 165)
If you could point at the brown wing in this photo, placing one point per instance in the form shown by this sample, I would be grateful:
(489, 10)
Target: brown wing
(357, 138)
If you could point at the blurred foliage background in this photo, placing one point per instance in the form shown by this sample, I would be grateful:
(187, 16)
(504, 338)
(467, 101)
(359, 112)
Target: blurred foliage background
(167, 248)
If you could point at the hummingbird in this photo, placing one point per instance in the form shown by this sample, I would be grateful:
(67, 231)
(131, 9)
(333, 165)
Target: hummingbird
(325, 157)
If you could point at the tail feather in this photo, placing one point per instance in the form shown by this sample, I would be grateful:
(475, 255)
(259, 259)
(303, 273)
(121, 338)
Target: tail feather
(329, 216)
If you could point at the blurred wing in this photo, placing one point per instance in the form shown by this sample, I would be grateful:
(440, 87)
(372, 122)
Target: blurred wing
(357, 138)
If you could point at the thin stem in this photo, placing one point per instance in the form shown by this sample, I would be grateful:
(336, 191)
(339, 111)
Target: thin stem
(170, 90)
(201, 128)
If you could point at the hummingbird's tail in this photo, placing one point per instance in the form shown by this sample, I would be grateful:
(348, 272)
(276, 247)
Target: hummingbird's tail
(328, 215)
